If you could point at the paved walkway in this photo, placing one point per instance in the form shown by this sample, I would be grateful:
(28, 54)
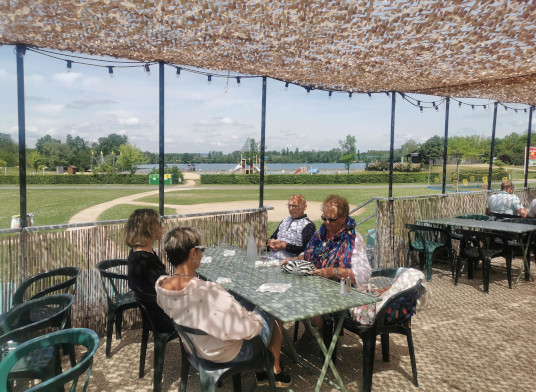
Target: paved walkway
(279, 212)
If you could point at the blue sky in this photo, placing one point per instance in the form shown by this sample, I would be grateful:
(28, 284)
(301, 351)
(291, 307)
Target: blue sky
(200, 117)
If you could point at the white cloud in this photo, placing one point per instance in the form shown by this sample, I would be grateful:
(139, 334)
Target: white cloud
(34, 78)
(129, 121)
(66, 78)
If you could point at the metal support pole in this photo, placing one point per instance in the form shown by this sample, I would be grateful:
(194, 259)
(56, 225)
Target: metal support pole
(21, 50)
(161, 138)
(492, 150)
(445, 145)
(263, 132)
(391, 149)
(528, 148)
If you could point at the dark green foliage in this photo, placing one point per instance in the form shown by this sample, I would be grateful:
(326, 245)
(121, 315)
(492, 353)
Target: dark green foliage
(272, 179)
(66, 179)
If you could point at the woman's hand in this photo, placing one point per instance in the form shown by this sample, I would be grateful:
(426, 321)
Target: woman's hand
(327, 272)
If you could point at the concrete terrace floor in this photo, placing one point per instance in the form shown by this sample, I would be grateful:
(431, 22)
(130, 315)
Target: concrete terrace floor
(465, 340)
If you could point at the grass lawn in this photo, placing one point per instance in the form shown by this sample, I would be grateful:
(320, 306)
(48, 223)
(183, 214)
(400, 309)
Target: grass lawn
(123, 211)
(55, 206)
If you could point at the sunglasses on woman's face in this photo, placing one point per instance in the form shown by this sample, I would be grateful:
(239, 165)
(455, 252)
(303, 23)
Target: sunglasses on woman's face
(330, 220)
(200, 247)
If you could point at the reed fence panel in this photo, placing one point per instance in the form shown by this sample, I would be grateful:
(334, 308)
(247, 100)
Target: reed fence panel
(26, 253)
(392, 214)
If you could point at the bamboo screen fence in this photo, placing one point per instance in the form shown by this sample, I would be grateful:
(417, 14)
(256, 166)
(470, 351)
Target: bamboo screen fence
(393, 214)
(25, 254)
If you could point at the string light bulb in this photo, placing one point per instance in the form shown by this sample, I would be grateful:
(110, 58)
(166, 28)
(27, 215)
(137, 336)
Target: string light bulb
(178, 72)
(209, 80)
(420, 107)
(238, 81)
(370, 96)
(515, 110)
(308, 89)
(286, 86)
(473, 107)
(418, 103)
(349, 96)
(111, 71)
(506, 108)
(459, 104)
(330, 94)
(436, 107)
(485, 107)
(147, 69)
(69, 65)
(387, 93)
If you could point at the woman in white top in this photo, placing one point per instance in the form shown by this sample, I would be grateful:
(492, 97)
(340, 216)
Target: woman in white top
(194, 303)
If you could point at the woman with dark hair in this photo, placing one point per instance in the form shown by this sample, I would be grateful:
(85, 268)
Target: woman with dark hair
(142, 229)
(195, 303)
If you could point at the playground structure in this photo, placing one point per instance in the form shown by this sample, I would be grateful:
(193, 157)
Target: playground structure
(307, 168)
(247, 165)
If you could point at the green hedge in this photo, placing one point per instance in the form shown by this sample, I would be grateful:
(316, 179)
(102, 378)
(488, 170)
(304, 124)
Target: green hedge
(65, 179)
(360, 178)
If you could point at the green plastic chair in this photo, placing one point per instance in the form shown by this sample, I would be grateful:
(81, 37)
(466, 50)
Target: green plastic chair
(54, 281)
(74, 336)
(426, 240)
(18, 327)
(118, 296)
(211, 373)
(160, 340)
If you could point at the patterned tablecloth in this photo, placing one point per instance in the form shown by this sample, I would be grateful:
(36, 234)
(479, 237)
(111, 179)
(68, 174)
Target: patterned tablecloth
(308, 295)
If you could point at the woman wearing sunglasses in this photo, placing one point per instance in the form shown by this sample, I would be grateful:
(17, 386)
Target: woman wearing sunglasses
(229, 325)
(336, 249)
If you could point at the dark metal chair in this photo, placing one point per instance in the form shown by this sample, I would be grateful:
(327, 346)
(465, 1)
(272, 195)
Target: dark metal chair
(394, 317)
(160, 340)
(484, 246)
(119, 297)
(210, 373)
(18, 327)
(426, 240)
(77, 336)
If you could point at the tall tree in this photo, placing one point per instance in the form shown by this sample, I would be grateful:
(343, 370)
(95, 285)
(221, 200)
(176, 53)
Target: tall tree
(40, 143)
(9, 150)
(111, 143)
(348, 151)
(35, 160)
(130, 157)
(408, 147)
(432, 149)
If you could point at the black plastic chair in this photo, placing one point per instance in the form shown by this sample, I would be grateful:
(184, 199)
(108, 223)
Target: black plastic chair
(210, 372)
(57, 280)
(394, 317)
(119, 297)
(426, 240)
(71, 337)
(484, 246)
(18, 327)
(160, 340)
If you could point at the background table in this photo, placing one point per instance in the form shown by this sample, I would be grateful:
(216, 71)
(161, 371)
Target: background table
(521, 232)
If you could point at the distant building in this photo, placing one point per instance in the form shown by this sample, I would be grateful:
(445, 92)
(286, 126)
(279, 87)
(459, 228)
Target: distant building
(413, 157)
(72, 169)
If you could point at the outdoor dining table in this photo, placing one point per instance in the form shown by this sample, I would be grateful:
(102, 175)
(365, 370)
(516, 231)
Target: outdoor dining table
(520, 232)
(307, 296)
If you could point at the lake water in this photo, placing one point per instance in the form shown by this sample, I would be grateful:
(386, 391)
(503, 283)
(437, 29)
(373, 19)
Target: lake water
(275, 168)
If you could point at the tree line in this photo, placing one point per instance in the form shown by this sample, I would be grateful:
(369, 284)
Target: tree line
(114, 153)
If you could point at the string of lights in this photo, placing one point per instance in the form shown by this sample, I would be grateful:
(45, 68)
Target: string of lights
(71, 59)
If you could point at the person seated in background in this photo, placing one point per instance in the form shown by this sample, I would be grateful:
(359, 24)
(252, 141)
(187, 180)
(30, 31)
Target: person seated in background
(337, 250)
(505, 202)
(142, 229)
(531, 211)
(294, 232)
(229, 324)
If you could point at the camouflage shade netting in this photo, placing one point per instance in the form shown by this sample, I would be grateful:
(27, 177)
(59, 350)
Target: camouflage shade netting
(480, 49)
